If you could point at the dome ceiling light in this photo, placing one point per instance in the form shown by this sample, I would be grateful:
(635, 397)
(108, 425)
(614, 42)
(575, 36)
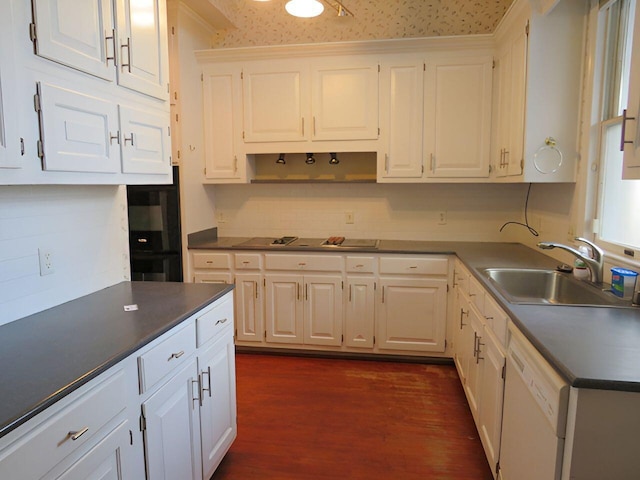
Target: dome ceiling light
(313, 8)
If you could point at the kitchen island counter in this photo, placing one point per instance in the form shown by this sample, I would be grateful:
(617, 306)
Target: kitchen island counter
(591, 347)
(48, 355)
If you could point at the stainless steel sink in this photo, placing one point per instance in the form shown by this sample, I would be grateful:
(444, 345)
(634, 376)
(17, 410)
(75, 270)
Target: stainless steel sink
(548, 287)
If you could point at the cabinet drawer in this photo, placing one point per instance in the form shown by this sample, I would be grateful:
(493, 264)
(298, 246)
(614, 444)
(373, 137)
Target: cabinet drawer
(319, 263)
(413, 266)
(360, 264)
(52, 440)
(212, 260)
(248, 261)
(215, 320)
(476, 294)
(164, 357)
(461, 278)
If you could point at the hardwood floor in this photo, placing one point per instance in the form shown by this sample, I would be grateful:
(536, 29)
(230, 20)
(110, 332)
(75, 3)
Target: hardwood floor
(314, 419)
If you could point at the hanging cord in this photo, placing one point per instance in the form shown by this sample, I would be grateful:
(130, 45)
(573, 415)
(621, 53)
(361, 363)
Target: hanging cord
(532, 230)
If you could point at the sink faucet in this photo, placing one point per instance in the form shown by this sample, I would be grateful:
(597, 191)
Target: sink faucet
(595, 264)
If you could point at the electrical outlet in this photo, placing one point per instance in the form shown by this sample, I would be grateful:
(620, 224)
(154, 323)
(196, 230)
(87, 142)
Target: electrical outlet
(45, 257)
(221, 217)
(442, 218)
(348, 217)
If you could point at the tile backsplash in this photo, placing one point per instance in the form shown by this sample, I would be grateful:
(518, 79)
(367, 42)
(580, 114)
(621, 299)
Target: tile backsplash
(473, 212)
(84, 227)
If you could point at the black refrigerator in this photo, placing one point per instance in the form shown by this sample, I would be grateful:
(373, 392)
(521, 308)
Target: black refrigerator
(155, 245)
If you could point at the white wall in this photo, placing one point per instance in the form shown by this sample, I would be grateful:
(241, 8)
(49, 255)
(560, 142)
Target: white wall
(86, 229)
(474, 212)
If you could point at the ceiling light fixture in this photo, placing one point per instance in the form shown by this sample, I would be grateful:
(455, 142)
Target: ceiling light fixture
(340, 8)
(304, 8)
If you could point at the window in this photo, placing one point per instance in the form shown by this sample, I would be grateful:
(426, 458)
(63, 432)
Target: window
(618, 199)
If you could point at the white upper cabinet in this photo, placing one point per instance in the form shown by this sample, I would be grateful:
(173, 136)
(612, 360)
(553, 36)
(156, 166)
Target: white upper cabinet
(457, 125)
(295, 101)
(145, 142)
(77, 34)
(9, 139)
(78, 131)
(511, 64)
(401, 107)
(142, 42)
(85, 36)
(345, 100)
(275, 101)
(539, 71)
(631, 126)
(221, 98)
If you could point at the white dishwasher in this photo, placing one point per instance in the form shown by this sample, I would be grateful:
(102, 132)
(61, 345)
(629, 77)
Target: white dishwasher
(535, 415)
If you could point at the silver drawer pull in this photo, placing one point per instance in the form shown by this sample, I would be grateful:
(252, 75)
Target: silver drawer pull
(76, 435)
(221, 321)
(175, 355)
(413, 266)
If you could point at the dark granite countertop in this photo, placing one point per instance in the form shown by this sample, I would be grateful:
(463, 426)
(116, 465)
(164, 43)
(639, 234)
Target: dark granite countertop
(49, 354)
(591, 347)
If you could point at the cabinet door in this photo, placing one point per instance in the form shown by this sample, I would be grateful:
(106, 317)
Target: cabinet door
(218, 411)
(249, 301)
(401, 116)
(345, 101)
(631, 130)
(9, 138)
(323, 310)
(172, 433)
(77, 34)
(284, 308)
(457, 127)
(142, 38)
(104, 461)
(518, 86)
(78, 131)
(491, 396)
(146, 147)
(221, 122)
(503, 117)
(360, 312)
(464, 340)
(412, 314)
(275, 101)
(475, 341)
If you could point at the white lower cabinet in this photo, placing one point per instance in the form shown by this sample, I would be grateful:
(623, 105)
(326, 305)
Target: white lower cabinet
(173, 416)
(411, 314)
(480, 338)
(249, 310)
(304, 309)
(172, 427)
(359, 327)
(218, 428)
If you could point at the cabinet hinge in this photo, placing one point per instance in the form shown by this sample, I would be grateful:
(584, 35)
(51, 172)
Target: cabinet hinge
(378, 68)
(243, 134)
(504, 371)
(168, 89)
(424, 66)
(378, 131)
(22, 146)
(202, 77)
(342, 339)
(173, 30)
(169, 130)
(143, 422)
(130, 437)
(178, 154)
(445, 343)
(447, 288)
(36, 101)
(493, 63)
(265, 334)
(526, 28)
(375, 285)
(40, 148)
(242, 75)
(497, 467)
(342, 285)
(32, 32)
(374, 339)
(522, 164)
(490, 169)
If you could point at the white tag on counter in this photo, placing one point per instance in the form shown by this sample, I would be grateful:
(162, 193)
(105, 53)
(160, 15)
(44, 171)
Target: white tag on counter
(130, 308)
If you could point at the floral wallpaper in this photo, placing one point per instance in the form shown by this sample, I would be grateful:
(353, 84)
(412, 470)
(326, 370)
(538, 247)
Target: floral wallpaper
(267, 23)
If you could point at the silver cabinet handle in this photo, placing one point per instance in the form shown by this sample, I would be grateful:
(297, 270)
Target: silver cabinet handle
(77, 434)
(478, 357)
(303, 126)
(199, 397)
(462, 313)
(386, 163)
(115, 137)
(129, 139)
(624, 129)
(223, 320)
(112, 37)
(206, 372)
(128, 47)
(175, 355)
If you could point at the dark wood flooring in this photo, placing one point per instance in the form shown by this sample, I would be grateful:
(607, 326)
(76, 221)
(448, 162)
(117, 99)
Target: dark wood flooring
(314, 419)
